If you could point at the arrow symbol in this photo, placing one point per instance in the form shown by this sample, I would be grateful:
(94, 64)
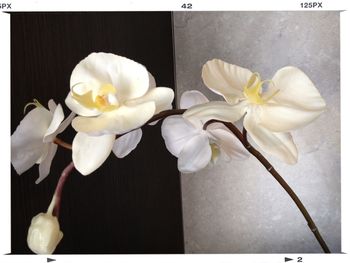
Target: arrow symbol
(50, 259)
(287, 259)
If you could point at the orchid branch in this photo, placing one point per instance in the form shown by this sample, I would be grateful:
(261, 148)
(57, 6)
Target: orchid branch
(56, 199)
(164, 114)
(137, 103)
(44, 232)
(62, 143)
(242, 137)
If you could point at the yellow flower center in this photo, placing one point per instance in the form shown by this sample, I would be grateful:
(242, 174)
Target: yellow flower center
(215, 152)
(104, 101)
(253, 90)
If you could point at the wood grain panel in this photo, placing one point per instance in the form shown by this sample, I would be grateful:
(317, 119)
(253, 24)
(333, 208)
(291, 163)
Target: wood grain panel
(130, 205)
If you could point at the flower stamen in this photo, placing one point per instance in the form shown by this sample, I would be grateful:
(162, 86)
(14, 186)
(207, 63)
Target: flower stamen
(101, 101)
(253, 90)
(215, 152)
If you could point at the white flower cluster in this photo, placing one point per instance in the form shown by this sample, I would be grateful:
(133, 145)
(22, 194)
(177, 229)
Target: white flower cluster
(113, 95)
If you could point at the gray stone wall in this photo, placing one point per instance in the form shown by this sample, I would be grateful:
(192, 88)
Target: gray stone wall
(238, 207)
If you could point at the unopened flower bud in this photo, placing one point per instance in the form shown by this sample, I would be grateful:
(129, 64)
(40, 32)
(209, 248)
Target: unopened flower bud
(44, 234)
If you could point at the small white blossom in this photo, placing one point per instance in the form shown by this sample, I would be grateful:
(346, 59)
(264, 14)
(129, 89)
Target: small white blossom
(290, 101)
(194, 147)
(112, 95)
(32, 141)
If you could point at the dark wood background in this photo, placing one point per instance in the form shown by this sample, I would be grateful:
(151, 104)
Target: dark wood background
(130, 205)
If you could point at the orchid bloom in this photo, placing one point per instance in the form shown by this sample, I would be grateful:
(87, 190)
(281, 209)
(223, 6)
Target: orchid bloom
(289, 101)
(194, 147)
(32, 141)
(113, 95)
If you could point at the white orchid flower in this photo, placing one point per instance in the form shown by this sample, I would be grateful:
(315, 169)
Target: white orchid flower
(113, 95)
(290, 101)
(32, 141)
(194, 147)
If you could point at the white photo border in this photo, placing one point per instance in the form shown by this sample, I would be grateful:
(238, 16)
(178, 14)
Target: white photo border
(175, 5)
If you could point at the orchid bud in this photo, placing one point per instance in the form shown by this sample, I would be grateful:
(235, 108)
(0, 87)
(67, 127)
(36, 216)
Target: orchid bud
(44, 234)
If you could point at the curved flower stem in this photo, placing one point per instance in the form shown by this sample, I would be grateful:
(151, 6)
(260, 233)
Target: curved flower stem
(62, 143)
(242, 137)
(55, 205)
(164, 114)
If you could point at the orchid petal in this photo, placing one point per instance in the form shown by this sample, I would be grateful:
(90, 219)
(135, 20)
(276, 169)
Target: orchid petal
(195, 155)
(152, 82)
(44, 153)
(57, 118)
(225, 79)
(296, 103)
(296, 89)
(280, 145)
(162, 97)
(126, 143)
(216, 110)
(130, 78)
(191, 98)
(65, 123)
(227, 142)
(90, 152)
(125, 119)
(279, 118)
(52, 105)
(176, 132)
(45, 165)
(79, 109)
(27, 141)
